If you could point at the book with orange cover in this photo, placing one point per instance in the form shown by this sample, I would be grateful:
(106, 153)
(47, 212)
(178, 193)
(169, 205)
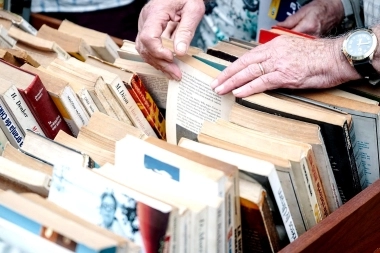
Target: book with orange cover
(267, 35)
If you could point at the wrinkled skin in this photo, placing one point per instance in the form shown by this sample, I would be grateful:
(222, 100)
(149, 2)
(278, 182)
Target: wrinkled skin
(316, 18)
(153, 21)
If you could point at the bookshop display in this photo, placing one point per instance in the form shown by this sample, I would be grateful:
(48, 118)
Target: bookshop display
(100, 152)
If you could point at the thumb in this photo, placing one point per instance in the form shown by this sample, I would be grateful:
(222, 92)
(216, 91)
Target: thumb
(290, 22)
(186, 27)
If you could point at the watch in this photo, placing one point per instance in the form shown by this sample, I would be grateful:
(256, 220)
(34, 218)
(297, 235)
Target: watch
(359, 48)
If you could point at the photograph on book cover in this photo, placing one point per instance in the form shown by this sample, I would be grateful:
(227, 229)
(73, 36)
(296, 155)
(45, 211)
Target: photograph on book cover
(109, 207)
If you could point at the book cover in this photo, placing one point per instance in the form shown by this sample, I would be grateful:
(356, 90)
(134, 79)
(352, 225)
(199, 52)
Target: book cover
(266, 35)
(126, 212)
(37, 99)
(147, 106)
(336, 138)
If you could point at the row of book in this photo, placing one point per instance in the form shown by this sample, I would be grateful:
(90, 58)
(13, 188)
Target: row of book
(234, 175)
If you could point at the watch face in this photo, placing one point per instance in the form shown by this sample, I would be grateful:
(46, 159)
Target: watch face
(360, 44)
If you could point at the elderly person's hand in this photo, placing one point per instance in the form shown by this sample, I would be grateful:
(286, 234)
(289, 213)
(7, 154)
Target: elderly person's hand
(315, 18)
(287, 62)
(154, 19)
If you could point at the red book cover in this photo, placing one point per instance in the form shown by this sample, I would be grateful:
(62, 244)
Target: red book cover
(267, 35)
(147, 106)
(38, 100)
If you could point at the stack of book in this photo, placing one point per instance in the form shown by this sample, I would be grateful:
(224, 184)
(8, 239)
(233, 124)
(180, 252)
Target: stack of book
(90, 164)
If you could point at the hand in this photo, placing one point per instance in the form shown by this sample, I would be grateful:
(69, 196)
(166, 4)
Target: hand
(153, 20)
(287, 62)
(315, 18)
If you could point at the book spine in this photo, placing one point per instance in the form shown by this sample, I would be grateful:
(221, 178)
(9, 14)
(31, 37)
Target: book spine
(10, 128)
(20, 111)
(88, 103)
(44, 109)
(351, 155)
(65, 114)
(255, 238)
(25, 26)
(3, 140)
(185, 233)
(317, 185)
(362, 171)
(229, 222)
(61, 53)
(73, 108)
(7, 39)
(129, 106)
(237, 235)
(200, 221)
(283, 206)
(147, 106)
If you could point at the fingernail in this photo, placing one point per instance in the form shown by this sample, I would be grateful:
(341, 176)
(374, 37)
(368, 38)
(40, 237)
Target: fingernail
(176, 78)
(219, 89)
(181, 47)
(214, 84)
(237, 91)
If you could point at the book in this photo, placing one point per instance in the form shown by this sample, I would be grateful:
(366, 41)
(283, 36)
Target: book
(51, 226)
(335, 133)
(10, 235)
(13, 154)
(226, 51)
(37, 99)
(22, 57)
(18, 21)
(6, 41)
(191, 100)
(182, 229)
(34, 180)
(64, 98)
(201, 208)
(75, 46)
(266, 35)
(128, 51)
(102, 43)
(210, 182)
(232, 204)
(10, 128)
(102, 81)
(266, 173)
(3, 141)
(122, 93)
(52, 152)
(258, 228)
(112, 128)
(84, 89)
(15, 103)
(43, 58)
(38, 43)
(6, 23)
(366, 121)
(99, 154)
(124, 245)
(310, 191)
(283, 127)
(8, 57)
(145, 221)
(140, 94)
(154, 80)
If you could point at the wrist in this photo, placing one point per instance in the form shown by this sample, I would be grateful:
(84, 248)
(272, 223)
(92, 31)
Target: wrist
(342, 69)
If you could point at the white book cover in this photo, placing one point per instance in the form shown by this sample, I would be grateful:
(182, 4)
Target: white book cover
(139, 218)
(251, 165)
(10, 128)
(20, 111)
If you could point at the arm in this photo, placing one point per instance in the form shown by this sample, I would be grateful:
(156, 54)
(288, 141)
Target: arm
(153, 20)
(316, 18)
(290, 62)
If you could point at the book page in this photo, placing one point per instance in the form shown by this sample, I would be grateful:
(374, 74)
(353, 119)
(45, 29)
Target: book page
(157, 87)
(191, 101)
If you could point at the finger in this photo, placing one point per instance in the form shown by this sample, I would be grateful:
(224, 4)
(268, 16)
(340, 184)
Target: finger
(249, 73)
(191, 16)
(291, 21)
(256, 55)
(170, 69)
(261, 84)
